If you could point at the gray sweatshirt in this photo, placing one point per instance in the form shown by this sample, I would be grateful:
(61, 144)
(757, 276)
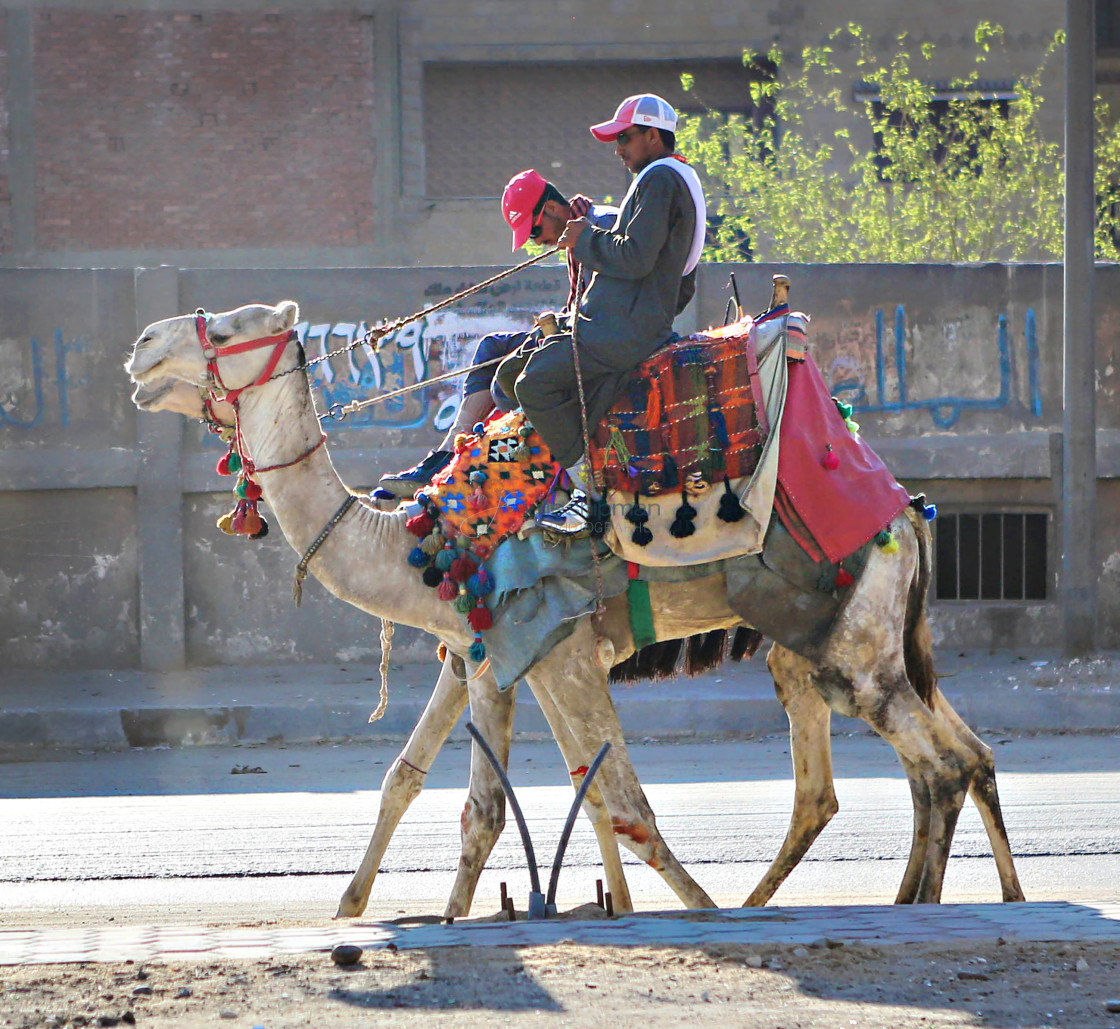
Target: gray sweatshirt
(637, 286)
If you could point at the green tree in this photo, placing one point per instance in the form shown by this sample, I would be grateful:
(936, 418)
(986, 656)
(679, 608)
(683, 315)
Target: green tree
(817, 177)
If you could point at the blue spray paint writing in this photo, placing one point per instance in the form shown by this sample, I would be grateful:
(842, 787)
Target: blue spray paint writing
(62, 383)
(404, 357)
(944, 410)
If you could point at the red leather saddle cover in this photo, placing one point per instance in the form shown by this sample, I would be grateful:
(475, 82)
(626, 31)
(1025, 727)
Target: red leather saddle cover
(841, 508)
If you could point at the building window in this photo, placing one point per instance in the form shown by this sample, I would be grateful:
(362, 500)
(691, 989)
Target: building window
(1108, 25)
(484, 121)
(997, 95)
(999, 555)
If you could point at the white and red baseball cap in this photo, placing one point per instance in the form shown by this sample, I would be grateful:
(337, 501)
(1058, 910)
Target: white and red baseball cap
(519, 200)
(646, 109)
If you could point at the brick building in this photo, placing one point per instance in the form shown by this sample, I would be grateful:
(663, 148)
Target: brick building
(235, 132)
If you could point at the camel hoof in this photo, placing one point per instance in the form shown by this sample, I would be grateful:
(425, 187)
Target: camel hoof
(348, 907)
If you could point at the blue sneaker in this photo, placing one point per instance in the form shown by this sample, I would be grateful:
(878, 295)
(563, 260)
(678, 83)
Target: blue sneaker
(405, 484)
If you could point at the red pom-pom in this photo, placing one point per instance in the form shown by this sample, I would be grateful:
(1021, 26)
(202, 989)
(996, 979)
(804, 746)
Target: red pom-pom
(462, 568)
(831, 461)
(223, 464)
(252, 490)
(844, 578)
(480, 618)
(420, 525)
(251, 524)
(448, 589)
(477, 500)
(237, 523)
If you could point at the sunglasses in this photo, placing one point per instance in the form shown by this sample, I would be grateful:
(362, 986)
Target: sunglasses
(626, 135)
(538, 228)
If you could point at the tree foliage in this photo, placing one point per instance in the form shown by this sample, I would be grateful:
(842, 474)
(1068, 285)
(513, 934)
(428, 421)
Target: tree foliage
(815, 176)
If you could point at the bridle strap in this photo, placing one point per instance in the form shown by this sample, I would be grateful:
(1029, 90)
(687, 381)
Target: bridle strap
(212, 351)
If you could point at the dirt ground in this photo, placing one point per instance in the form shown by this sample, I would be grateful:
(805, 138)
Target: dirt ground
(771, 987)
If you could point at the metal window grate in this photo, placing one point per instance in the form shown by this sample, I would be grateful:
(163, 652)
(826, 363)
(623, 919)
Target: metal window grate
(991, 556)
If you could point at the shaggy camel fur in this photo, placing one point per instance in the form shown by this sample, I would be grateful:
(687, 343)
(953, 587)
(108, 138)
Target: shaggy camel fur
(876, 664)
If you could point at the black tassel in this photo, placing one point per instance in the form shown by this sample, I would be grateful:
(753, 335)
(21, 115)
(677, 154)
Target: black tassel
(683, 520)
(598, 517)
(432, 576)
(730, 510)
(670, 477)
(745, 643)
(638, 516)
(705, 651)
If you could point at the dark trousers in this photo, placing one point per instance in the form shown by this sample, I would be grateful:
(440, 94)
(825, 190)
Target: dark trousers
(543, 379)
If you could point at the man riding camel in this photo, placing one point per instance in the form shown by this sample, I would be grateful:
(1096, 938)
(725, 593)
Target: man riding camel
(642, 276)
(535, 210)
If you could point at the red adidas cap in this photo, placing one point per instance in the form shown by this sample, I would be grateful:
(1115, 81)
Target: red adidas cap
(522, 194)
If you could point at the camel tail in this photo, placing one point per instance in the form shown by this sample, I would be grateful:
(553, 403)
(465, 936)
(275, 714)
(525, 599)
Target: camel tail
(917, 644)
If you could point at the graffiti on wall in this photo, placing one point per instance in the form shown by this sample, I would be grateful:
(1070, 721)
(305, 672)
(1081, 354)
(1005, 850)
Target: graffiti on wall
(437, 343)
(23, 399)
(848, 381)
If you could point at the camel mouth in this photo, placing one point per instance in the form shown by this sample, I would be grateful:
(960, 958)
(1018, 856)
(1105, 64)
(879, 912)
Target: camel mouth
(147, 394)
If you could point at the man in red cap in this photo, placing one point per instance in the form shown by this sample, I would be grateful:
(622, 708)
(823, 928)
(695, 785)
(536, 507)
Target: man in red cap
(642, 274)
(535, 210)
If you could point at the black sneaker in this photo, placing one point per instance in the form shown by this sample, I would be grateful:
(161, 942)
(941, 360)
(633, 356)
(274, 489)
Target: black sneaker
(405, 484)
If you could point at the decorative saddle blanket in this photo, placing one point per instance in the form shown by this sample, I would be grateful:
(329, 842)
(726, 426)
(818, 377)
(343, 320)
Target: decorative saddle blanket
(689, 411)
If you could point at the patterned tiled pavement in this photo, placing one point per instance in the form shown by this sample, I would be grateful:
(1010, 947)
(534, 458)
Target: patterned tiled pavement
(881, 925)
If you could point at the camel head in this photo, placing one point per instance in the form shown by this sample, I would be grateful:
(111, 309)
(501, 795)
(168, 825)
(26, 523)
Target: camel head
(174, 349)
(182, 398)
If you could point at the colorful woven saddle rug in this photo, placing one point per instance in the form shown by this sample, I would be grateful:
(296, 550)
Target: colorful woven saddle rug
(689, 413)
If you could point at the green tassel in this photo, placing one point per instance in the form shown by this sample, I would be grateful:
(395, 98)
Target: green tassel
(641, 614)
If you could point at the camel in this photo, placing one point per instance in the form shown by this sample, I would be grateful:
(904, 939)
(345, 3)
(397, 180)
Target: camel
(876, 664)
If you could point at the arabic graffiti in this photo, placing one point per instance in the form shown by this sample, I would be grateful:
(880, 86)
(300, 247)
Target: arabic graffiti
(440, 342)
(11, 409)
(945, 410)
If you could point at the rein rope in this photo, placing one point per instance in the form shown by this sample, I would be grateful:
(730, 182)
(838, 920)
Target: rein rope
(593, 503)
(379, 332)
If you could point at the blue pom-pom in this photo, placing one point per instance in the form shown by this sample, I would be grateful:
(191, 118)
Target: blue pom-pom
(445, 558)
(477, 478)
(423, 499)
(481, 583)
(479, 428)
(477, 651)
(418, 559)
(929, 512)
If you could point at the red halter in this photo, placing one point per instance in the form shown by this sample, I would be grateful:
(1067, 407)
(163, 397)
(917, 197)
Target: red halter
(212, 351)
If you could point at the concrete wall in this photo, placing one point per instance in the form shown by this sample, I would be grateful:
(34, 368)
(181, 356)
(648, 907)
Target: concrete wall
(108, 552)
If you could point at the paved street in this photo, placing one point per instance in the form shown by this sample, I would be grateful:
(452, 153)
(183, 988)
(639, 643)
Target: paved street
(164, 836)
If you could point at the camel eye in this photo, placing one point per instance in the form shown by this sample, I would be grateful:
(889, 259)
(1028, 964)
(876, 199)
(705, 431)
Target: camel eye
(217, 337)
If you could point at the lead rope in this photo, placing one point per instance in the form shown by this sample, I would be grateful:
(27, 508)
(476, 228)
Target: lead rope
(592, 503)
(387, 630)
(378, 332)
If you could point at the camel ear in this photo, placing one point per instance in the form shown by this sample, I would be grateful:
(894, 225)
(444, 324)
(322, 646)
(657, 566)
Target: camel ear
(287, 314)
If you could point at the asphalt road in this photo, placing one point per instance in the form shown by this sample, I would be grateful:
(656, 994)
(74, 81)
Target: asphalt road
(173, 835)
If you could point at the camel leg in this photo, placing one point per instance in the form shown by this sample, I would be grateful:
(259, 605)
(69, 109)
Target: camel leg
(930, 751)
(484, 813)
(919, 843)
(404, 780)
(814, 801)
(986, 798)
(577, 683)
(593, 805)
